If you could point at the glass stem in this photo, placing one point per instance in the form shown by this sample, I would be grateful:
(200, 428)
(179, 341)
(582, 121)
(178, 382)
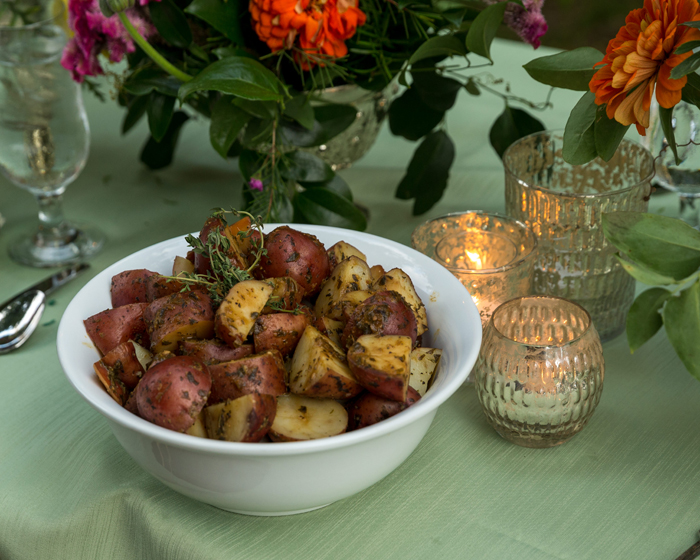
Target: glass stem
(52, 227)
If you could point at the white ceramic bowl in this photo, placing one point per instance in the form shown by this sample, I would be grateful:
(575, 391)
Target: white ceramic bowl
(281, 478)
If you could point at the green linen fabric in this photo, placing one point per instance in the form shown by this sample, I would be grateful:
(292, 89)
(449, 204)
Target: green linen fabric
(627, 487)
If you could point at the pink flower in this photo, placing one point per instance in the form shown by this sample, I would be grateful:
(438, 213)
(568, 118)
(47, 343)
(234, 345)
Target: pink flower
(256, 184)
(528, 21)
(94, 34)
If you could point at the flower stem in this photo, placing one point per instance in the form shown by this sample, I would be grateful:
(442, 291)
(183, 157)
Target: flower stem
(151, 52)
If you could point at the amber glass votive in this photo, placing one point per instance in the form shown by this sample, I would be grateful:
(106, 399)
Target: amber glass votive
(492, 255)
(539, 375)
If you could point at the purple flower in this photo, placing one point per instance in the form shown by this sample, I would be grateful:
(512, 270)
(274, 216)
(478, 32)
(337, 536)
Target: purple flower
(527, 20)
(256, 184)
(94, 33)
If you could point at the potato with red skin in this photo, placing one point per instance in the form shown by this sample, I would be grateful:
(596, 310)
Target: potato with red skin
(177, 317)
(172, 393)
(202, 263)
(260, 373)
(295, 254)
(238, 311)
(368, 408)
(286, 294)
(110, 328)
(383, 313)
(157, 286)
(129, 287)
(214, 351)
(246, 419)
(120, 364)
(280, 332)
(382, 364)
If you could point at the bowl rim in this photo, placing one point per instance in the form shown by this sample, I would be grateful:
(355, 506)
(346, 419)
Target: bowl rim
(426, 405)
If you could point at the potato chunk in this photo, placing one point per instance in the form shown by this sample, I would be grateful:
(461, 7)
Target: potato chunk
(246, 419)
(341, 251)
(301, 418)
(239, 310)
(424, 362)
(382, 364)
(350, 275)
(176, 317)
(398, 281)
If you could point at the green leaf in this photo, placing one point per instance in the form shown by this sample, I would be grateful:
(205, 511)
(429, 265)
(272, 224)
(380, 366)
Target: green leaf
(322, 206)
(143, 82)
(568, 70)
(337, 184)
(687, 47)
(134, 112)
(329, 121)
(227, 121)
(579, 134)
(303, 166)
(261, 109)
(688, 66)
(644, 318)
(299, 108)
(691, 91)
(257, 132)
(510, 126)
(222, 15)
(249, 162)
(411, 118)
(666, 118)
(667, 246)
(695, 24)
(484, 27)
(441, 45)
(160, 112)
(428, 171)
(437, 92)
(608, 134)
(157, 155)
(644, 275)
(171, 23)
(682, 322)
(236, 75)
(472, 88)
(225, 52)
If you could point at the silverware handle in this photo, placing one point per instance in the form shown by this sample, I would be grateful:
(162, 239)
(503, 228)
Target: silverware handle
(692, 552)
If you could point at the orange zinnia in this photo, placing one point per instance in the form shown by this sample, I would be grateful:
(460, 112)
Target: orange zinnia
(321, 25)
(641, 57)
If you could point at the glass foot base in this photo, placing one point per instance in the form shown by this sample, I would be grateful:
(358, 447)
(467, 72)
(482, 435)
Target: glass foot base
(30, 250)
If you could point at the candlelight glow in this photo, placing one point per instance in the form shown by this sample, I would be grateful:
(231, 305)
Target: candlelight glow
(476, 260)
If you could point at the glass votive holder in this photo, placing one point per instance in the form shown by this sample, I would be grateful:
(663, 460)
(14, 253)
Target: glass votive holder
(563, 205)
(492, 255)
(539, 375)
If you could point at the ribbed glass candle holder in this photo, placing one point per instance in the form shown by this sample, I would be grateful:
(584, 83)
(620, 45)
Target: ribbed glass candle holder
(492, 255)
(563, 205)
(540, 371)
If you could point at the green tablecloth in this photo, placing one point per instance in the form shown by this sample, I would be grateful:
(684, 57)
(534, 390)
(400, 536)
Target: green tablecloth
(626, 487)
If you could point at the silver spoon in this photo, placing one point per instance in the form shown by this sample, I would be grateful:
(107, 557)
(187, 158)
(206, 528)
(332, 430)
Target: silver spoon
(20, 315)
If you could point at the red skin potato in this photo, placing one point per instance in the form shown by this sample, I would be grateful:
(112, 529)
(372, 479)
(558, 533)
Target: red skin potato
(384, 313)
(172, 393)
(256, 374)
(258, 421)
(280, 332)
(202, 263)
(368, 409)
(171, 318)
(298, 255)
(129, 287)
(214, 351)
(110, 328)
(390, 384)
(158, 287)
(124, 365)
(287, 294)
(112, 385)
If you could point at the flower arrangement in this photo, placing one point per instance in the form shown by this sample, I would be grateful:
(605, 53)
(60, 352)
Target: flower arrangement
(257, 68)
(652, 54)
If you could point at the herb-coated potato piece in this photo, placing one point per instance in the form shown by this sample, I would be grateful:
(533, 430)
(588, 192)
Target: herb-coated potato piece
(302, 418)
(368, 409)
(298, 255)
(115, 388)
(129, 287)
(382, 364)
(110, 328)
(158, 286)
(424, 362)
(120, 367)
(161, 357)
(239, 310)
(398, 281)
(198, 429)
(350, 275)
(181, 264)
(131, 405)
(280, 332)
(245, 419)
(383, 313)
(177, 317)
(319, 369)
(286, 295)
(226, 244)
(377, 271)
(341, 251)
(172, 393)
(343, 310)
(331, 328)
(260, 373)
(214, 351)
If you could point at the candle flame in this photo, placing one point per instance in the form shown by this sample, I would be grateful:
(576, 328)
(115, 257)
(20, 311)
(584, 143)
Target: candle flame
(475, 258)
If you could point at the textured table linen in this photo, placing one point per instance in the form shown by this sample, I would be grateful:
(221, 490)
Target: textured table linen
(628, 486)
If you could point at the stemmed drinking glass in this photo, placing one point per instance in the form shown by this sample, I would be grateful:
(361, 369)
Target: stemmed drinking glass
(44, 133)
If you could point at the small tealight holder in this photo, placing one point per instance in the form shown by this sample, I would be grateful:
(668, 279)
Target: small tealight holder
(492, 255)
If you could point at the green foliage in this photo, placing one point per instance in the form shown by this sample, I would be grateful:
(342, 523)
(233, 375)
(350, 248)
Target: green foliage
(171, 23)
(157, 155)
(579, 134)
(135, 110)
(682, 322)
(227, 121)
(484, 28)
(160, 112)
(644, 317)
(222, 15)
(510, 126)
(568, 70)
(329, 121)
(666, 118)
(324, 206)
(411, 118)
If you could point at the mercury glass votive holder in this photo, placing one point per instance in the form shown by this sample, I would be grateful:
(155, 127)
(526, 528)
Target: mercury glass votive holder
(539, 375)
(563, 205)
(492, 255)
